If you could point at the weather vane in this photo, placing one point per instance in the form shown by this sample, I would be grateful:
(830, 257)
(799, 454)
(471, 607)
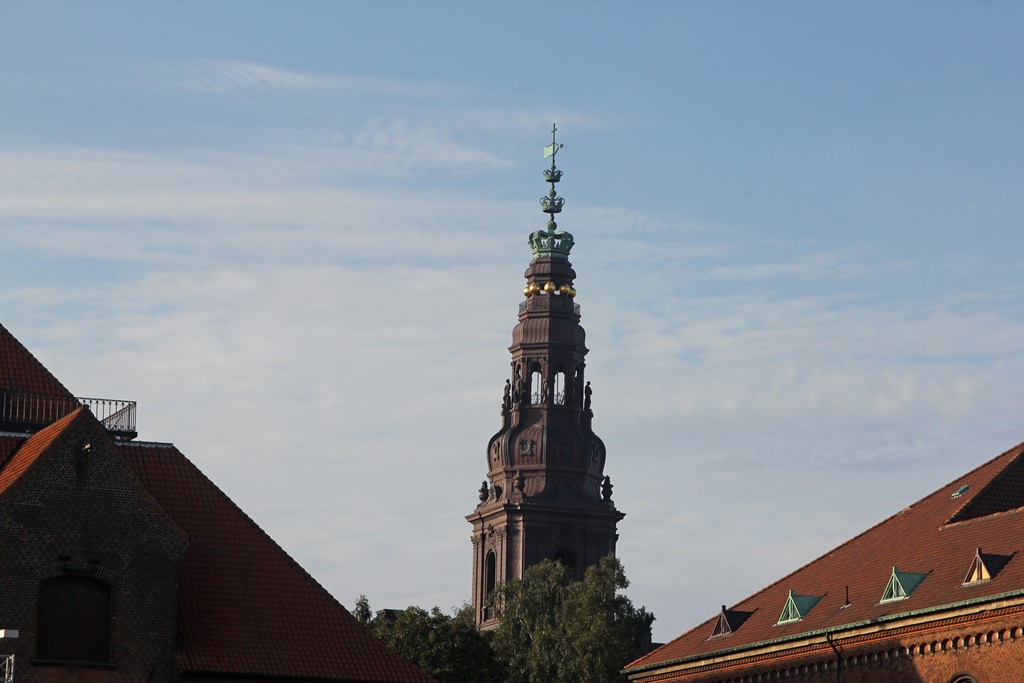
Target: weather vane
(552, 149)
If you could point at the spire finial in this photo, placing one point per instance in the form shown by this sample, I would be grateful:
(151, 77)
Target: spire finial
(551, 242)
(552, 149)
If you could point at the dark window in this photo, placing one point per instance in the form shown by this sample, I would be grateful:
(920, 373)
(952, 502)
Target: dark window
(491, 573)
(74, 620)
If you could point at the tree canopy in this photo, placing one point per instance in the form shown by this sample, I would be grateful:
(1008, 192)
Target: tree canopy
(551, 630)
(554, 630)
(448, 647)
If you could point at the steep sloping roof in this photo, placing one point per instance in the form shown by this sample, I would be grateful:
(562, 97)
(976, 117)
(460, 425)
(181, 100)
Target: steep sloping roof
(938, 536)
(21, 372)
(31, 449)
(9, 443)
(246, 607)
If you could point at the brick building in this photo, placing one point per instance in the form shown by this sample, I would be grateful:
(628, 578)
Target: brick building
(934, 593)
(123, 562)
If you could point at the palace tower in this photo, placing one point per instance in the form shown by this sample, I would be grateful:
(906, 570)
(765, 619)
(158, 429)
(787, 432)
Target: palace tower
(546, 496)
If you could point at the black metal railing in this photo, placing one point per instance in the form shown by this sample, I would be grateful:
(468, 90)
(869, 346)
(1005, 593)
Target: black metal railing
(22, 412)
(118, 417)
(548, 303)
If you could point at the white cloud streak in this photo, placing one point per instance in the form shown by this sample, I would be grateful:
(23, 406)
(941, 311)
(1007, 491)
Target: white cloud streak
(232, 75)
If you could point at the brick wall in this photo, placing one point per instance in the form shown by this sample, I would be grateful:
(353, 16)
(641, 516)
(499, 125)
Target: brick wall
(83, 512)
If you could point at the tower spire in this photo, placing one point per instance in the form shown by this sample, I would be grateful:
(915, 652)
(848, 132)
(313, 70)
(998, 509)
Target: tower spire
(548, 497)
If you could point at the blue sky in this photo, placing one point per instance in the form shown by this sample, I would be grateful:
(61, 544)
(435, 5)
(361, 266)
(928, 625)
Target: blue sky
(295, 232)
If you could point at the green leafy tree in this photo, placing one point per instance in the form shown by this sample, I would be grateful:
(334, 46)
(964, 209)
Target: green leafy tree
(527, 639)
(448, 647)
(554, 630)
(362, 611)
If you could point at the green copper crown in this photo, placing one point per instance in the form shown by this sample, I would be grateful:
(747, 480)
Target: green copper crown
(551, 242)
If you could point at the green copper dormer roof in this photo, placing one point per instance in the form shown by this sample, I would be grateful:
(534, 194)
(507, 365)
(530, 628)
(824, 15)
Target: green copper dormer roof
(551, 242)
(901, 585)
(797, 607)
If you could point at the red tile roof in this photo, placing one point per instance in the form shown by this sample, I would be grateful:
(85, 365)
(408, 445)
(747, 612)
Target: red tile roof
(22, 373)
(938, 535)
(31, 449)
(1005, 492)
(9, 443)
(246, 607)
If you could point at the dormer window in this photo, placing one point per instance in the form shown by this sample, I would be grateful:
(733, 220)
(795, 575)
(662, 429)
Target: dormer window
(984, 567)
(901, 585)
(797, 607)
(722, 626)
(728, 621)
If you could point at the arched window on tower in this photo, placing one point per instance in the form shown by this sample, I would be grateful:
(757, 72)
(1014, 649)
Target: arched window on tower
(74, 620)
(536, 385)
(560, 387)
(491, 573)
(490, 579)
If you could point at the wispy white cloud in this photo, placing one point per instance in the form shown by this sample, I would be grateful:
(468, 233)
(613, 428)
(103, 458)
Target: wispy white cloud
(134, 206)
(817, 265)
(231, 75)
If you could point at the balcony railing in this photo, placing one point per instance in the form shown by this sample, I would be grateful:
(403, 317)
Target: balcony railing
(548, 303)
(118, 417)
(31, 412)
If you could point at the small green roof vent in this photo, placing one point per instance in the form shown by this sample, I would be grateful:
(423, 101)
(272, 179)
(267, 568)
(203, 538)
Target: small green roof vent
(797, 607)
(901, 585)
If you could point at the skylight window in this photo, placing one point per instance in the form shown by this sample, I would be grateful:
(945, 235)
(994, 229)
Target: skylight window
(901, 585)
(797, 607)
(960, 491)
